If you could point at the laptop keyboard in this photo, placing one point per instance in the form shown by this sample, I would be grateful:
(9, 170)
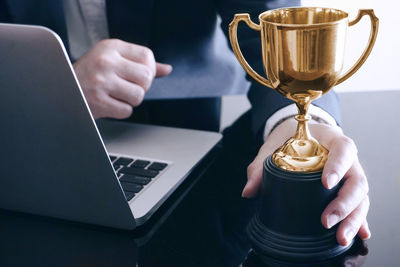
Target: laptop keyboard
(135, 174)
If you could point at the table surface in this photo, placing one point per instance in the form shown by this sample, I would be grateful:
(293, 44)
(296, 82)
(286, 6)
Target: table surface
(371, 119)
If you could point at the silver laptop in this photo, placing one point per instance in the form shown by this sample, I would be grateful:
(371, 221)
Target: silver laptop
(54, 162)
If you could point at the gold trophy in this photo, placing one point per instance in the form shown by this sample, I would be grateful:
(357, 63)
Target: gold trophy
(302, 51)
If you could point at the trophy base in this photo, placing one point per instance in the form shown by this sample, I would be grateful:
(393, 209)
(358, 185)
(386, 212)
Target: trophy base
(288, 223)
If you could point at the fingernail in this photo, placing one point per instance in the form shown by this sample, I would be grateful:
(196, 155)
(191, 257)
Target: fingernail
(243, 192)
(348, 235)
(331, 220)
(368, 234)
(332, 180)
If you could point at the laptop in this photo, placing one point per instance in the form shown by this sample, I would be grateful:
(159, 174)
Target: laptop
(57, 161)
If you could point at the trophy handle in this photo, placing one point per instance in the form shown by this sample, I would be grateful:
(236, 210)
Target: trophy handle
(236, 49)
(371, 41)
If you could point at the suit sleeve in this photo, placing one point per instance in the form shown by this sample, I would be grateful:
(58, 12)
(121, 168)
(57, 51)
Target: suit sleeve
(4, 12)
(264, 101)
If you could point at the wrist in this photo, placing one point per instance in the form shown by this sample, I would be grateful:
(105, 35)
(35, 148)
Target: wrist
(288, 113)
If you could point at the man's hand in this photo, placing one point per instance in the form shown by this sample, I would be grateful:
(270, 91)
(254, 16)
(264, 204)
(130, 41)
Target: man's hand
(115, 75)
(351, 205)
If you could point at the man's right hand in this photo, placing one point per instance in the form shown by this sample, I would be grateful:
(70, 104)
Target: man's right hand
(115, 75)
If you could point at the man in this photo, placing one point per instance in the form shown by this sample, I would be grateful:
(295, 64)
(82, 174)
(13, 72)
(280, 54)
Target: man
(114, 46)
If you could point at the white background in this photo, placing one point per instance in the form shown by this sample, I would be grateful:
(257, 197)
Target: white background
(381, 71)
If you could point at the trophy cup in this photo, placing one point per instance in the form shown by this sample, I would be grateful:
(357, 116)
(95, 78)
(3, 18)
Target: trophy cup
(302, 52)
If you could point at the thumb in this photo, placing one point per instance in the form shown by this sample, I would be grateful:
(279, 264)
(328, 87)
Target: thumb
(163, 69)
(255, 169)
(254, 177)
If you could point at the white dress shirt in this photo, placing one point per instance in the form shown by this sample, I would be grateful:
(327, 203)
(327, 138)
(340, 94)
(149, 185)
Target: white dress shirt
(86, 25)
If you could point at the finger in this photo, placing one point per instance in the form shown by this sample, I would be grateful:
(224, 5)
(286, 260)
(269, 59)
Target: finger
(254, 177)
(349, 197)
(135, 73)
(325, 134)
(113, 108)
(342, 154)
(138, 54)
(255, 169)
(127, 92)
(364, 233)
(163, 69)
(350, 226)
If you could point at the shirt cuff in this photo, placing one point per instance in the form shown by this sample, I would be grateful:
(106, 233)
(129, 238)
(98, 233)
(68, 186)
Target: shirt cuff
(318, 115)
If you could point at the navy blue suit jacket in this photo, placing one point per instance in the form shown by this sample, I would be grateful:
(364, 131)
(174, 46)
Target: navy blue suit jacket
(187, 35)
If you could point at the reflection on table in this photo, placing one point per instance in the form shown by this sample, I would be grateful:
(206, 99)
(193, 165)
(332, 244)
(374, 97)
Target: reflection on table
(33, 241)
(355, 256)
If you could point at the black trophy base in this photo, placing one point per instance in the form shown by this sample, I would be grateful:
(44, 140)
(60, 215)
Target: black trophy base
(288, 223)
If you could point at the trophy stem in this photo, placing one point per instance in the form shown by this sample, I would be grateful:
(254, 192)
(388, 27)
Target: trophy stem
(301, 153)
(302, 132)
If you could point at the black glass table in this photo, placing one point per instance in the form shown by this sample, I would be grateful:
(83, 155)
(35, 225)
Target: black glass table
(371, 119)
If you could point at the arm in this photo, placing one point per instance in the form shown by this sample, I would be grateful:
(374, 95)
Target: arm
(352, 203)
(115, 75)
(4, 12)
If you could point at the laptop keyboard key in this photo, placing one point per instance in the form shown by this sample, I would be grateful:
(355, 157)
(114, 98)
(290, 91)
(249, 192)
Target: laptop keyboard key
(123, 161)
(140, 163)
(131, 187)
(116, 167)
(157, 166)
(139, 172)
(129, 195)
(135, 179)
(112, 158)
